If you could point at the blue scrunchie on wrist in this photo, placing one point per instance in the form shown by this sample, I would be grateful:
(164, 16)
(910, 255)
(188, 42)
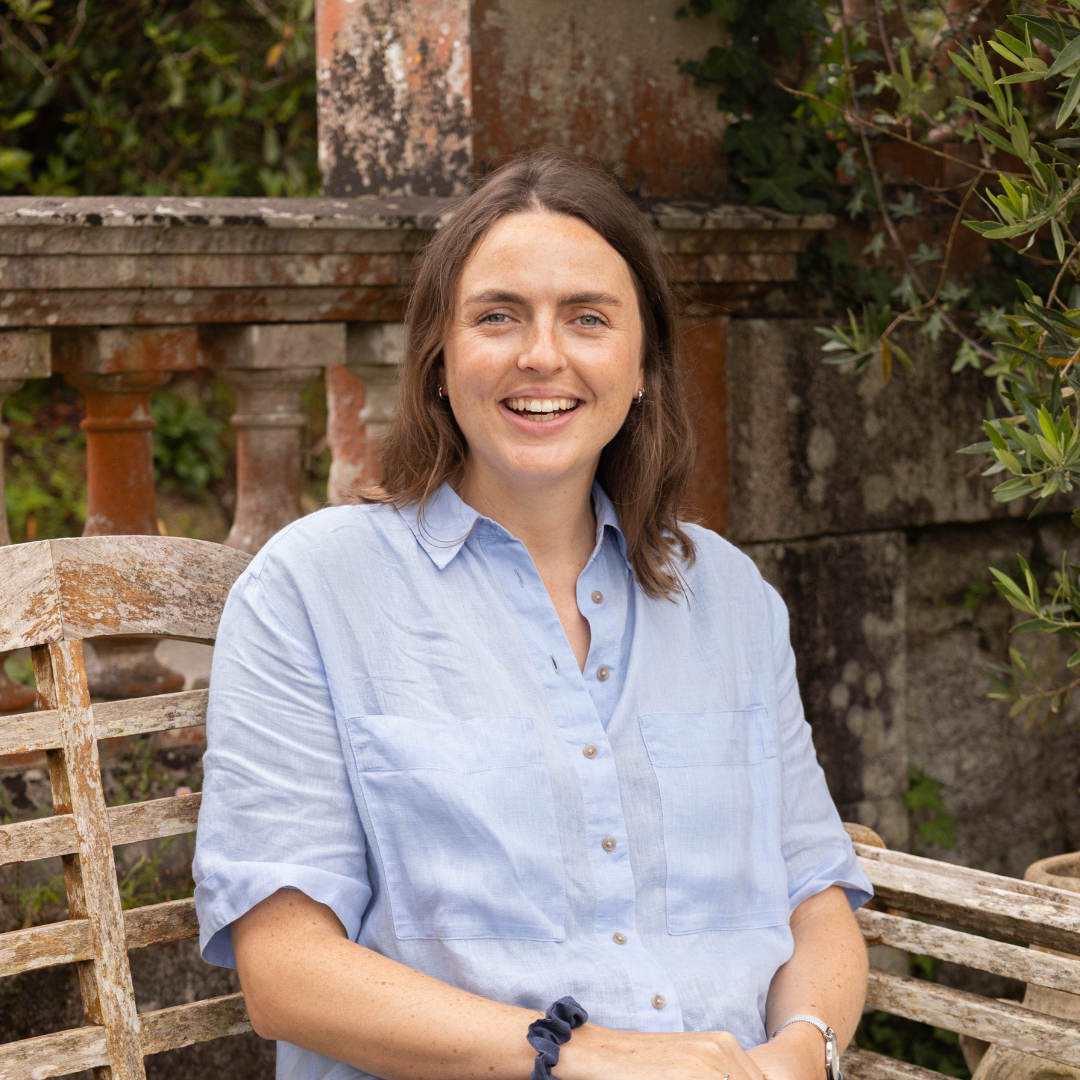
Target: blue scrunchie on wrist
(547, 1035)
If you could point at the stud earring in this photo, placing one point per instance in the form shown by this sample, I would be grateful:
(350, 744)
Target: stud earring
(440, 390)
(640, 394)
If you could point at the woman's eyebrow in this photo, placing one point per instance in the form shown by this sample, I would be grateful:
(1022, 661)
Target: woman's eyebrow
(595, 298)
(500, 296)
(497, 296)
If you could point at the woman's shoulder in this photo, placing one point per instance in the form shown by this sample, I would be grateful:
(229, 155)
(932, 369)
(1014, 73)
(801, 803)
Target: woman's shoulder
(321, 540)
(714, 555)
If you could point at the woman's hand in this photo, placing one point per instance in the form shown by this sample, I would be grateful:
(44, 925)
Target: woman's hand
(598, 1053)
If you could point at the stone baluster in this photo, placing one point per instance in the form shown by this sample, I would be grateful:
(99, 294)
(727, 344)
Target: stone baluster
(269, 365)
(360, 399)
(24, 354)
(117, 369)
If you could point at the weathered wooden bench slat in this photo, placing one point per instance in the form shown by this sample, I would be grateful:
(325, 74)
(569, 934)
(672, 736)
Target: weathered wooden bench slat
(28, 733)
(83, 1048)
(998, 1022)
(90, 878)
(97, 586)
(68, 942)
(45, 838)
(866, 1065)
(1008, 907)
(997, 957)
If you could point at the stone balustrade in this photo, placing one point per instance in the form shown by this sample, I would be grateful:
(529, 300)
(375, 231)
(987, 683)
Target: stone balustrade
(120, 294)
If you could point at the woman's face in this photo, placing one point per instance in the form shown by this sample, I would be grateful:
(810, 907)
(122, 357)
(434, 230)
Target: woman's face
(543, 357)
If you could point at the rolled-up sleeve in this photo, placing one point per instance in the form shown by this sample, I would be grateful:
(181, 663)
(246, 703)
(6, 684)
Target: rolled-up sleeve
(277, 810)
(817, 850)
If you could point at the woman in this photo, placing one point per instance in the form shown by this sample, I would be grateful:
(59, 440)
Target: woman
(507, 731)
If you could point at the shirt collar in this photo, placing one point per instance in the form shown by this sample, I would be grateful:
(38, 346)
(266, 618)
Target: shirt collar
(447, 521)
(443, 527)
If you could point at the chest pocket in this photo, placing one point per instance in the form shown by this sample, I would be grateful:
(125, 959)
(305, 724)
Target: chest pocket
(464, 818)
(719, 783)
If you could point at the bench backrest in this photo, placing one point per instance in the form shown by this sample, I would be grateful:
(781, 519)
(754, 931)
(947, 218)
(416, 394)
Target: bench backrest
(969, 913)
(54, 594)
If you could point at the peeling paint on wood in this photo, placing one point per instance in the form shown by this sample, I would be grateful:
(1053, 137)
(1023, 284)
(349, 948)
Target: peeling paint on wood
(866, 1065)
(108, 996)
(104, 585)
(26, 733)
(46, 838)
(998, 1022)
(168, 1029)
(84, 1048)
(997, 957)
(975, 899)
(30, 614)
(158, 585)
(69, 942)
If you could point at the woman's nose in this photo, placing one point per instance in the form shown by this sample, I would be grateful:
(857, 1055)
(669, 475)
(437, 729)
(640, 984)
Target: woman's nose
(542, 352)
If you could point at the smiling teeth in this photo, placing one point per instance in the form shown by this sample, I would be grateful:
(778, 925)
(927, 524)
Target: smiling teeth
(541, 408)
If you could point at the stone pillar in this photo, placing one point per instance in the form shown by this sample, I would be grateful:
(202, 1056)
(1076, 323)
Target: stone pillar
(24, 354)
(360, 399)
(416, 97)
(395, 108)
(117, 369)
(263, 364)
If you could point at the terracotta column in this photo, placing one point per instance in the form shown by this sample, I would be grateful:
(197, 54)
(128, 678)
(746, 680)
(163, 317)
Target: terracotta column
(269, 365)
(704, 342)
(117, 369)
(24, 354)
(360, 404)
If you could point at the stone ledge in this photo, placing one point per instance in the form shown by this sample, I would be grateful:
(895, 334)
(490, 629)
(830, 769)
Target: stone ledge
(363, 213)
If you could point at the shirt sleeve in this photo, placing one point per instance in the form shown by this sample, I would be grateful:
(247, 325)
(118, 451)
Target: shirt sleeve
(817, 849)
(277, 810)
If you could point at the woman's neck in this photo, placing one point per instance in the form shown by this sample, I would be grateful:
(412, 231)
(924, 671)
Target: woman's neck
(555, 521)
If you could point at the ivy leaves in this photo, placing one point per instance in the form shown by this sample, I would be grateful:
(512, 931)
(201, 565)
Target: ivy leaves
(194, 97)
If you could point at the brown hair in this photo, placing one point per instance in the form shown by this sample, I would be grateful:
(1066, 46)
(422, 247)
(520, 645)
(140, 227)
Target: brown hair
(645, 468)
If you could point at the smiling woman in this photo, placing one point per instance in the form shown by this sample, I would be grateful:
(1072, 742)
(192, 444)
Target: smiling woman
(505, 730)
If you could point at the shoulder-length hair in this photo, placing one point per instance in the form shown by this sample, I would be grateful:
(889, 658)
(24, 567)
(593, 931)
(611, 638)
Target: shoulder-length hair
(645, 468)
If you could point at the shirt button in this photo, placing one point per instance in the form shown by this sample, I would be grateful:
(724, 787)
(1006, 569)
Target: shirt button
(619, 939)
(589, 751)
(597, 597)
(608, 843)
(659, 1001)
(602, 674)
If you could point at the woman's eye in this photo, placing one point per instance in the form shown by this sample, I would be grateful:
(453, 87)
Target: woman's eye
(496, 317)
(590, 320)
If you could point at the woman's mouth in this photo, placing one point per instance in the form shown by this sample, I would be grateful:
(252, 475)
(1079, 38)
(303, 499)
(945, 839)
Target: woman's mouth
(541, 408)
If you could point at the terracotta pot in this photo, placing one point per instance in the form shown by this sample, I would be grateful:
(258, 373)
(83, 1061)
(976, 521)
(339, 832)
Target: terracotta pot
(996, 1063)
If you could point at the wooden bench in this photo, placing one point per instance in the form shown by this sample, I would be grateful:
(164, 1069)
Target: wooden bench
(55, 593)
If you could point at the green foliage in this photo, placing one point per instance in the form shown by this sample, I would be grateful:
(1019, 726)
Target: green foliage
(189, 450)
(774, 156)
(45, 475)
(923, 798)
(157, 97)
(148, 882)
(907, 1040)
(32, 900)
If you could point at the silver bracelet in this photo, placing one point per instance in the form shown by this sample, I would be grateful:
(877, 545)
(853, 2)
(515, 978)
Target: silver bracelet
(832, 1047)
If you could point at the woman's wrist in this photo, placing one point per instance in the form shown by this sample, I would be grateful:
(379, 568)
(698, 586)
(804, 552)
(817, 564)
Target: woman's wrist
(797, 1053)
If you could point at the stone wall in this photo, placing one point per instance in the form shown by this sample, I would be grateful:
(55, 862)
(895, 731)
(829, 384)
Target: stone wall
(849, 495)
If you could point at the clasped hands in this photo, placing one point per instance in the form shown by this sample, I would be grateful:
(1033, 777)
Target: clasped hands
(597, 1053)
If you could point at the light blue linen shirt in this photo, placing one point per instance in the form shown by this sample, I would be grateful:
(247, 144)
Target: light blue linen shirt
(399, 728)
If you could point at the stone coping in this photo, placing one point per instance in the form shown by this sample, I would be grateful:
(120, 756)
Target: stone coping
(358, 213)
